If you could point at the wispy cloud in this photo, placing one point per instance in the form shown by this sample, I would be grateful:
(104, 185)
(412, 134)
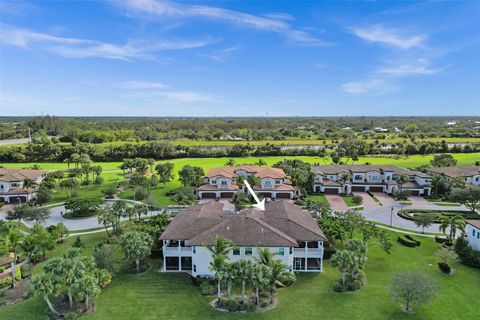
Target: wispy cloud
(85, 48)
(152, 89)
(376, 86)
(412, 68)
(391, 37)
(275, 23)
(221, 55)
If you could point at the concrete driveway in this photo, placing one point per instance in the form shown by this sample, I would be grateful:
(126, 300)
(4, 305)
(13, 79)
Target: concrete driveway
(384, 198)
(368, 202)
(336, 202)
(419, 201)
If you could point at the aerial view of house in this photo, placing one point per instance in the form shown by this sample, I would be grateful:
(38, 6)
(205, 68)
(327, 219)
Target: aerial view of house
(345, 179)
(224, 182)
(14, 186)
(284, 228)
(470, 174)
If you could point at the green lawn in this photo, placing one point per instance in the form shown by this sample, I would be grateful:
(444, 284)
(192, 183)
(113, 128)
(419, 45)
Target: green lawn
(154, 295)
(318, 197)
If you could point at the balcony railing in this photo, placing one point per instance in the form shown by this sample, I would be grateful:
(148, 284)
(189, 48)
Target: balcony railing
(307, 252)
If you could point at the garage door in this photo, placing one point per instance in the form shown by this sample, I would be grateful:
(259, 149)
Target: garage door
(358, 188)
(376, 189)
(283, 195)
(330, 190)
(226, 194)
(18, 199)
(413, 192)
(209, 195)
(266, 194)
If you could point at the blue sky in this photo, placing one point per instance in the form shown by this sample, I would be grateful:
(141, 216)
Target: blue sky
(232, 58)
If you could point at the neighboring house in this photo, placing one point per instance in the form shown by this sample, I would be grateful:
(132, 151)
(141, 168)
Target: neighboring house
(11, 184)
(283, 228)
(470, 174)
(222, 182)
(373, 178)
(473, 234)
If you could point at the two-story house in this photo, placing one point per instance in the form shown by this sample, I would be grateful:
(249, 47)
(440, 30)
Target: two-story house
(345, 179)
(283, 228)
(472, 231)
(470, 174)
(12, 184)
(222, 182)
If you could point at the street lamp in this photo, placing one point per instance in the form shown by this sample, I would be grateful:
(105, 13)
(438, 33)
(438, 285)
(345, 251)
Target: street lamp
(391, 216)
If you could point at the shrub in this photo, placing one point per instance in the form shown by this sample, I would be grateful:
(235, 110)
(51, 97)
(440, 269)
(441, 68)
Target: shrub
(409, 237)
(406, 242)
(207, 289)
(440, 239)
(328, 253)
(26, 270)
(444, 267)
(466, 254)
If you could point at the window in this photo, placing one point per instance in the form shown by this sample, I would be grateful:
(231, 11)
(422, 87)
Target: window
(281, 251)
(224, 182)
(194, 268)
(278, 181)
(357, 177)
(267, 183)
(236, 251)
(194, 250)
(291, 250)
(248, 251)
(473, 232)
(214, 181)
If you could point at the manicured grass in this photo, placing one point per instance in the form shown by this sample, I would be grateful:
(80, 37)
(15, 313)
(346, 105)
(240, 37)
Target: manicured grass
(155, 295)
(318, 197)
(349, 201)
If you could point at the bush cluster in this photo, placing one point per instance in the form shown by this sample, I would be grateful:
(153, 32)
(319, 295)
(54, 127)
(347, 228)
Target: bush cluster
(402, 239)
(466, 254)
(235, 305)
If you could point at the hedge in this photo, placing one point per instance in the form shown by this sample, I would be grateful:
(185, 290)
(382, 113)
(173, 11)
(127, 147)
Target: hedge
(409, 214)
(440, 239)
(406, 242)
(409, 237)
(8, 280)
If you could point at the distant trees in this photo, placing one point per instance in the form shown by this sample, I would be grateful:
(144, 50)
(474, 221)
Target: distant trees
(443, 160)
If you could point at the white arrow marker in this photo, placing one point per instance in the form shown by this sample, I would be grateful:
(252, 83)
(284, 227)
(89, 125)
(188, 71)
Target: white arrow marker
(260, 204)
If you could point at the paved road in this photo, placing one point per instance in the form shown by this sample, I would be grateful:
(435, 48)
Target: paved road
(383, 215)
(336, 202)
(368, 202)
(419, 201)
(72, 224)
(384, 198)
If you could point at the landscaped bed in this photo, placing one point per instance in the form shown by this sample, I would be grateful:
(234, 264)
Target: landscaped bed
(411, 213)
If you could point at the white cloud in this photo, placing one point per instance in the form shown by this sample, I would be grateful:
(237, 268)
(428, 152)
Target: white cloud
(391, 37)
(411, 68)
(221, 55)
(272, 24)
(378, 86)
(142, 85)
(85, 48)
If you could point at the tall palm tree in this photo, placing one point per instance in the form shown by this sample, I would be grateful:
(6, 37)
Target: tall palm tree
(12, 242)
(278, 275)
(345, 261)
(401, 180)
(230, 162)
(45, 286)
(28, 183)
(344, 178)
(437, 181)
(243, 270)
(424, 220)
(229, 275)
(265, 256)
(453, 222)
(221, 246)
(217, 265)
(258, 278)
(240, 201)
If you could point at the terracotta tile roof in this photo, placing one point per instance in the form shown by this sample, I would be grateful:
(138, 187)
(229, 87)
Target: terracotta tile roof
(19, 191)
(475, 223)
(363, 168)
(465, 171)
(281, 224)
(13, 175)
(261, 172)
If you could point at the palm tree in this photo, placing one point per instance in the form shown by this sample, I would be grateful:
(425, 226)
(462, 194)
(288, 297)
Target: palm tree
(221, 247)
(345, 261)
(258, 279)
(437, 181)
(261, 163)
(278, 275)
(220, 250)
(401, 180)
(229, 274)
(28, 183)
(218, 266)
(240, 201)
(86, 288)
(12, 242)
(453, 222)
(243, 270)
(344, 178)
(44, 286)
(265, 256)
(424, 220)
(457, 183)
(230, 162)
